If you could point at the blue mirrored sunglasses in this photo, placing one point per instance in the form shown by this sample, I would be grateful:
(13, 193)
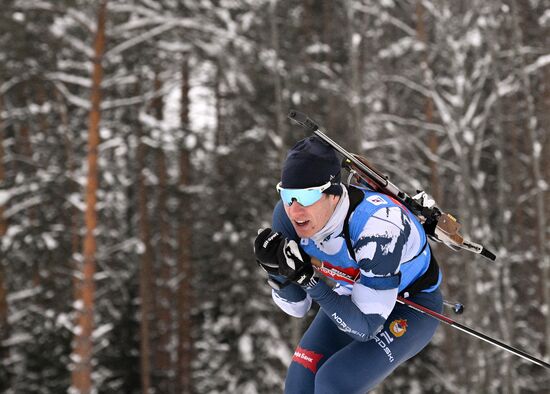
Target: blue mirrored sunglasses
(304, 197)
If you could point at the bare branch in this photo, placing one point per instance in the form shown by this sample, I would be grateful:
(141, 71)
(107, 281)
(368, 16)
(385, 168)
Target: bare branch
(139, 39)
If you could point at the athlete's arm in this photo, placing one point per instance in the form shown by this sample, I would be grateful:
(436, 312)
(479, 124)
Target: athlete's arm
(378, 249)
(292, 299)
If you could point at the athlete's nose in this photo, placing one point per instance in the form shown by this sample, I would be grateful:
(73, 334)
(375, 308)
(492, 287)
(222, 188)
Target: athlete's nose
(296, 208)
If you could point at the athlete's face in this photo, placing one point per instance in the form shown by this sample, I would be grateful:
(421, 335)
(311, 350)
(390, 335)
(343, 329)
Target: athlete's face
(309, 220)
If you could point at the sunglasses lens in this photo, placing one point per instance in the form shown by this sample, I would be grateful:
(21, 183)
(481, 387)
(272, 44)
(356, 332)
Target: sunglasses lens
(304, 197)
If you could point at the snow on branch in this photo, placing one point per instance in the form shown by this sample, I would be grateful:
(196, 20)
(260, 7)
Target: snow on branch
(408, 83)
(23, 113)
(78, 44)
(541, 62)
(129, 101)
(82, 19)
(71, 98)
(133, 9)
(471, 109)
(17, 339)
(118, 80)
(439, 102)
(437, 157)
(102, 330)
(134, 24)
(127, 245)
(406, 122)
(386, 17)
(6, 86)
(23, 294)
(70, 78)
(182, 47)
(400, 47)
(442, 108)
(34, 5)
(139, 39)
(507, 86)
(23, 205)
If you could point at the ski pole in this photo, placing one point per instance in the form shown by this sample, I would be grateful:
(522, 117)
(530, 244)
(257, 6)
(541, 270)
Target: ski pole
(474, 333)
(444, 319)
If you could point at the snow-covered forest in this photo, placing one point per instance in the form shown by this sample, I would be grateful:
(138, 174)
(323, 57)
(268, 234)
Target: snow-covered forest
(140, 145)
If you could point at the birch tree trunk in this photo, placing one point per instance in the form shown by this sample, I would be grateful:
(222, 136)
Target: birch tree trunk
(83, 346)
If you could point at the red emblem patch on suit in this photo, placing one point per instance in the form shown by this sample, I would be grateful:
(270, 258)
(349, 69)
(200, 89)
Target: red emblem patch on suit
(307, 358)
(398, 327)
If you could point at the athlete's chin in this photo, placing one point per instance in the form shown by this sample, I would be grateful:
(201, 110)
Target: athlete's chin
(304, 232)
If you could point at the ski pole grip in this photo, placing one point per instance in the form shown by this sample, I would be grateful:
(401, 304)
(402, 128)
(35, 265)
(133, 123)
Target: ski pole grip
(303, 120)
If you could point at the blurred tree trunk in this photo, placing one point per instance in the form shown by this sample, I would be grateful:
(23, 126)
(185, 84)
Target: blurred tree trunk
(538, 182)
(433, 143)
(146, 267)
(83, 346)
(335, 117)
(220, 98)
(26, 151)
(545, 154)
(41, 99)
(449, 343)
(306, 28)
(163, 300)
(297, 326)
(280, 128)
(73, 219)
(546, 121)
(501, 276)
(306, 34)
(184, 265)
(4, 328)
(356, 75)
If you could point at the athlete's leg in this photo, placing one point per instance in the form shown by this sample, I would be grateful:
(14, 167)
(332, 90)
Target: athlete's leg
(320, 341)
(360, 366)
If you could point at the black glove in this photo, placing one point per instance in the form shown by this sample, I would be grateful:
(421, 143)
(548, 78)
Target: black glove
(267, 248)
(295, 264)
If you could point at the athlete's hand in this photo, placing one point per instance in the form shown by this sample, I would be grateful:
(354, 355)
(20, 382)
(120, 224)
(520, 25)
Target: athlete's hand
(295, 264)
(268, 248)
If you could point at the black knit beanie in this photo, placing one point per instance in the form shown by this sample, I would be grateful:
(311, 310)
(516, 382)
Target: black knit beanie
(311, 162)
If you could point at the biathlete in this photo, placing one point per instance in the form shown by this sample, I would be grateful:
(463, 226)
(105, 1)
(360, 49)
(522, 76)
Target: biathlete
(353, 251)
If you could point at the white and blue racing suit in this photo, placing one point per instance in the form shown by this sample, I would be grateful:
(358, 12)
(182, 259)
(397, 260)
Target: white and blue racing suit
(360, 334)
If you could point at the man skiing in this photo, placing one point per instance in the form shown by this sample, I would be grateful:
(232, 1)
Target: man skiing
(352, 251)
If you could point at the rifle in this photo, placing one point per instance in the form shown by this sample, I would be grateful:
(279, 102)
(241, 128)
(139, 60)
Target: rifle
(439, 225)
